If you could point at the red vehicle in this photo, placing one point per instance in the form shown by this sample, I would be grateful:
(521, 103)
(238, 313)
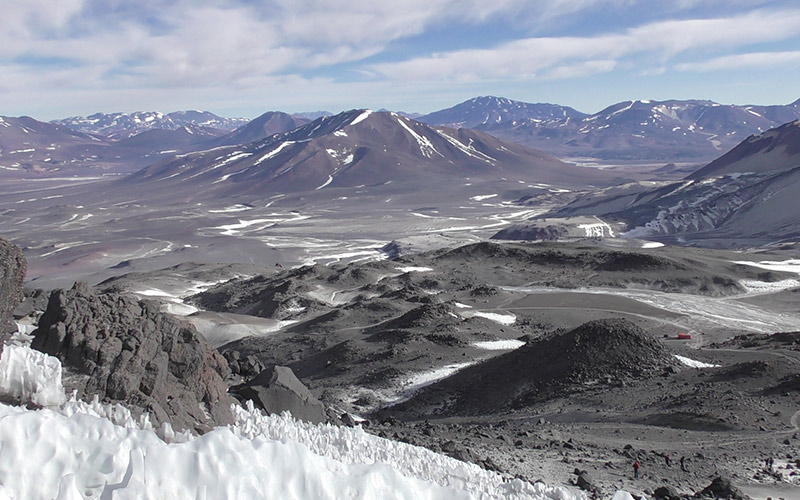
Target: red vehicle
(684, 336)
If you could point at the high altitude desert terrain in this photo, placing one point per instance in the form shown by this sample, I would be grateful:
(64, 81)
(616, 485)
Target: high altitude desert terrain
(544, 319)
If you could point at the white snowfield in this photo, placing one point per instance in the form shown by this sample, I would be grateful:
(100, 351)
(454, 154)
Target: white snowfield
(482, 197)
(77, 451)
(414, 269)
(694, 363)
(499, 345)
(503, 319)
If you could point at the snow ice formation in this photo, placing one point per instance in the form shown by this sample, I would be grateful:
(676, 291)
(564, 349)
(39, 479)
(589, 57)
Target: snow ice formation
(30, 376)
(73, 450)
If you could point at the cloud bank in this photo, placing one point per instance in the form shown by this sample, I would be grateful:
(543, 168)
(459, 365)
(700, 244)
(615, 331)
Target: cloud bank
(234, 55)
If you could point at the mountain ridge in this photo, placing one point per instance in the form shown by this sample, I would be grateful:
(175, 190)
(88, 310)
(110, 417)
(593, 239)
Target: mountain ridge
(124, 125)
(361, 147)
(643, 130)
(746, 197)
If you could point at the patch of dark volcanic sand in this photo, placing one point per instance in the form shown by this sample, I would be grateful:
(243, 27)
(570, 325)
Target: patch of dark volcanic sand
(577, 264)
(604, 352)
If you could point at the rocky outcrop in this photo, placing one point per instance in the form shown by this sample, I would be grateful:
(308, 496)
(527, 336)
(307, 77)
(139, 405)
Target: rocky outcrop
(125, 350)
(244, 366)
(12, 278)
(666, 493)
(532, 232)
(277, 389)
(33, 304)
(722, 487)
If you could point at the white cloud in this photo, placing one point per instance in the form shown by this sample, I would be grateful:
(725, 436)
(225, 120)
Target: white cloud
(673, 37)
(24, 18)
(209, 42)
(655, 42)
(742, 61)
(71, 51)
(521, 59)
(584, 68)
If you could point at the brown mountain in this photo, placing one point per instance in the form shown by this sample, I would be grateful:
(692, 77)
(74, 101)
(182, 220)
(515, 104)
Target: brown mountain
(359, 148)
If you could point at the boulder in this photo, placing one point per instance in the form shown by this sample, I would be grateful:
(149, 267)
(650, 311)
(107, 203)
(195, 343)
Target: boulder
(666, 493)
(348, 420)
(586, 483)
(722, 487)
(125, 350)
(12, 279)
(455, 450)
(277, 389)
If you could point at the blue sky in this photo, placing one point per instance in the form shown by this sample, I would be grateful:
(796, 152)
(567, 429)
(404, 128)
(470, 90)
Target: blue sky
(245, 57)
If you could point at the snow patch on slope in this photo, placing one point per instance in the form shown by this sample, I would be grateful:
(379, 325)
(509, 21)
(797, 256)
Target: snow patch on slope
(482, 197)
(503, 319)
(425, 145)
(328, 181)
(413, 269)
(360, 118)
(499, 345)
(694, 363)
(468, 150)
(274, 152)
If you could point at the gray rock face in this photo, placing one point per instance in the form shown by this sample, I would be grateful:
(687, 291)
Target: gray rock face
(35, 302)
(277, 389)
(125, 350)
(12, 278)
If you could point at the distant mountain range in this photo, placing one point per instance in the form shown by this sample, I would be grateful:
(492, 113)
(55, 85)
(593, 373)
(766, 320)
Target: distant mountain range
(356, 149)
(691, 132)
(651, 131)
(271, 122)
(123, 125)
(28, 146)
(495, 113)
(749, 196)
(31, 146)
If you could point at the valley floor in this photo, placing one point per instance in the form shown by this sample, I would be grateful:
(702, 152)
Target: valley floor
(384, 309)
